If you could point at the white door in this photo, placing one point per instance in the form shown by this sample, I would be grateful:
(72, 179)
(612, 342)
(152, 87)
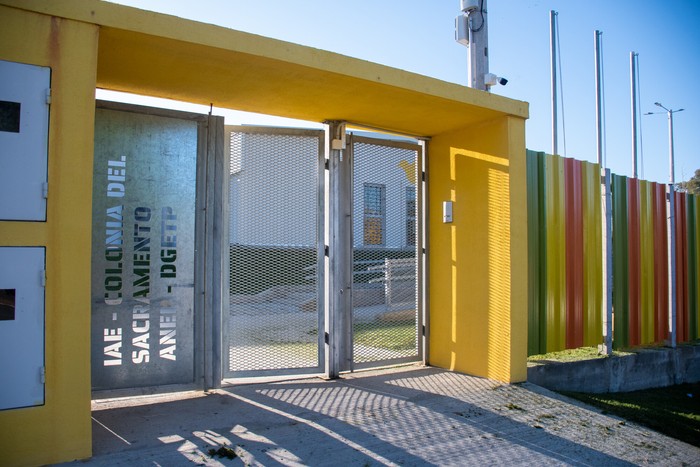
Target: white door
(21, 326)
(24, 130)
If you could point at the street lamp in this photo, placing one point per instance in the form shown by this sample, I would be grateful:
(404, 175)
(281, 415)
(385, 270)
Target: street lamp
(670, 113)
(672, 288)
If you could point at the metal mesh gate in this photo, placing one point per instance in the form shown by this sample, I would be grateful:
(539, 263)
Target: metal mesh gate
(385, 232)
(275, 288)
(276, 197)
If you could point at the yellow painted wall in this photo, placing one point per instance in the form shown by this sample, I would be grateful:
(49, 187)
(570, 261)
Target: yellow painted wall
(478, 263)
(61, 428)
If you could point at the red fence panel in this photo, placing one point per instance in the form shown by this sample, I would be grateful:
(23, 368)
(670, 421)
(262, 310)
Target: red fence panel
(574, 254)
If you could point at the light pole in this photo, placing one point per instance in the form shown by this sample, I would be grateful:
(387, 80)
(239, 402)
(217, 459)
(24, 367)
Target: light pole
(670, 113)
(672, 305)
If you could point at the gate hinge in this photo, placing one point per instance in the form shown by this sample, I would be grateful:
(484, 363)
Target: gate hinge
(43, 374)
(42, 277)
(325, 164)
(45, 190)
(423, 330)
(422, 176)
(48, 96)
(325, 250)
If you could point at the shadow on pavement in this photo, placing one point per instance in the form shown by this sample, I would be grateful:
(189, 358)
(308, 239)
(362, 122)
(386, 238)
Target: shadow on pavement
(408, 416)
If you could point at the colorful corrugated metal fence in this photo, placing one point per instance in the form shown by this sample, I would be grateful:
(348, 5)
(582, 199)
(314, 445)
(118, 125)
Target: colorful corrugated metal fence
(565, 243)
(640, 262)
(565, 250)
(687, 221)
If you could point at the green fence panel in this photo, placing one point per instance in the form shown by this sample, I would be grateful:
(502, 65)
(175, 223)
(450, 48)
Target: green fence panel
(536, 262)
(681, 267)
(691, 208)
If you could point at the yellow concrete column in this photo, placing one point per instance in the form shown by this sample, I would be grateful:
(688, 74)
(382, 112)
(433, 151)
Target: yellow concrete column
(61, 428)
(478, 263)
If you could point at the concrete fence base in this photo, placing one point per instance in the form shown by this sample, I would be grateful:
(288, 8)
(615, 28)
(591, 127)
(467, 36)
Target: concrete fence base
(643, 369)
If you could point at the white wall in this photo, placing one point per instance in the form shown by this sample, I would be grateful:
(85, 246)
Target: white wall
(273, 193)
(273, 197)
(383, 166)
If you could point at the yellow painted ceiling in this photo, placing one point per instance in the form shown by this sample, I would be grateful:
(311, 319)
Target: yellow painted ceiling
(164, 56)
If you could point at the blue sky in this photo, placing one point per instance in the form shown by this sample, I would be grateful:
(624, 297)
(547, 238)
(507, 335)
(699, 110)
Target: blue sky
(418, 36)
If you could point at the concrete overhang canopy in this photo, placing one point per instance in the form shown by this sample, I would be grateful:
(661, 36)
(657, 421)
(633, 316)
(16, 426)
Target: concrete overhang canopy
(165, 56)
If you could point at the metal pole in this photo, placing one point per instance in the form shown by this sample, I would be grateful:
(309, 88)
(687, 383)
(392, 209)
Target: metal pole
(424, 251)
(607, 265)
(673, 337)
(672, 176)
(478, 48)
(598, 98)
(672, 234)
(339, 256)
(669, 112)
(672, 264)
(553, 46)
(633, 87)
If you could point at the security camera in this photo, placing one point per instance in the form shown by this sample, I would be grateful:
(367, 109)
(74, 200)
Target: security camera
(469, 5)
(491, 80)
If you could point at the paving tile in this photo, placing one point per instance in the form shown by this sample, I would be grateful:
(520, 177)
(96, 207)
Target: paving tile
(401, 416)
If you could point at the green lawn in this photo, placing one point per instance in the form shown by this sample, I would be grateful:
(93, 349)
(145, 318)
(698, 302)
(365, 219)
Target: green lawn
(398, 336)
(572, 355)
(674, 410)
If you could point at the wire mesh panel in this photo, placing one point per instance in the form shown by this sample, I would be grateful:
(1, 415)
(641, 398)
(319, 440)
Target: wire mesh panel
(274, 207)
(385, 233)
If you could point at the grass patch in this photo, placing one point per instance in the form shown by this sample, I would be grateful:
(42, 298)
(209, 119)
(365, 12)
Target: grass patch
(398, 336)
(572, 355)
(673, 411)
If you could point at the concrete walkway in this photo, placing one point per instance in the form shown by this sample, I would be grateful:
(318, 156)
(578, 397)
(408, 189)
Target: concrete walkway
(403, 416)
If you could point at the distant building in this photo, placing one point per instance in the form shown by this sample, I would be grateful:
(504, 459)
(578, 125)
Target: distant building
(384, 203)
